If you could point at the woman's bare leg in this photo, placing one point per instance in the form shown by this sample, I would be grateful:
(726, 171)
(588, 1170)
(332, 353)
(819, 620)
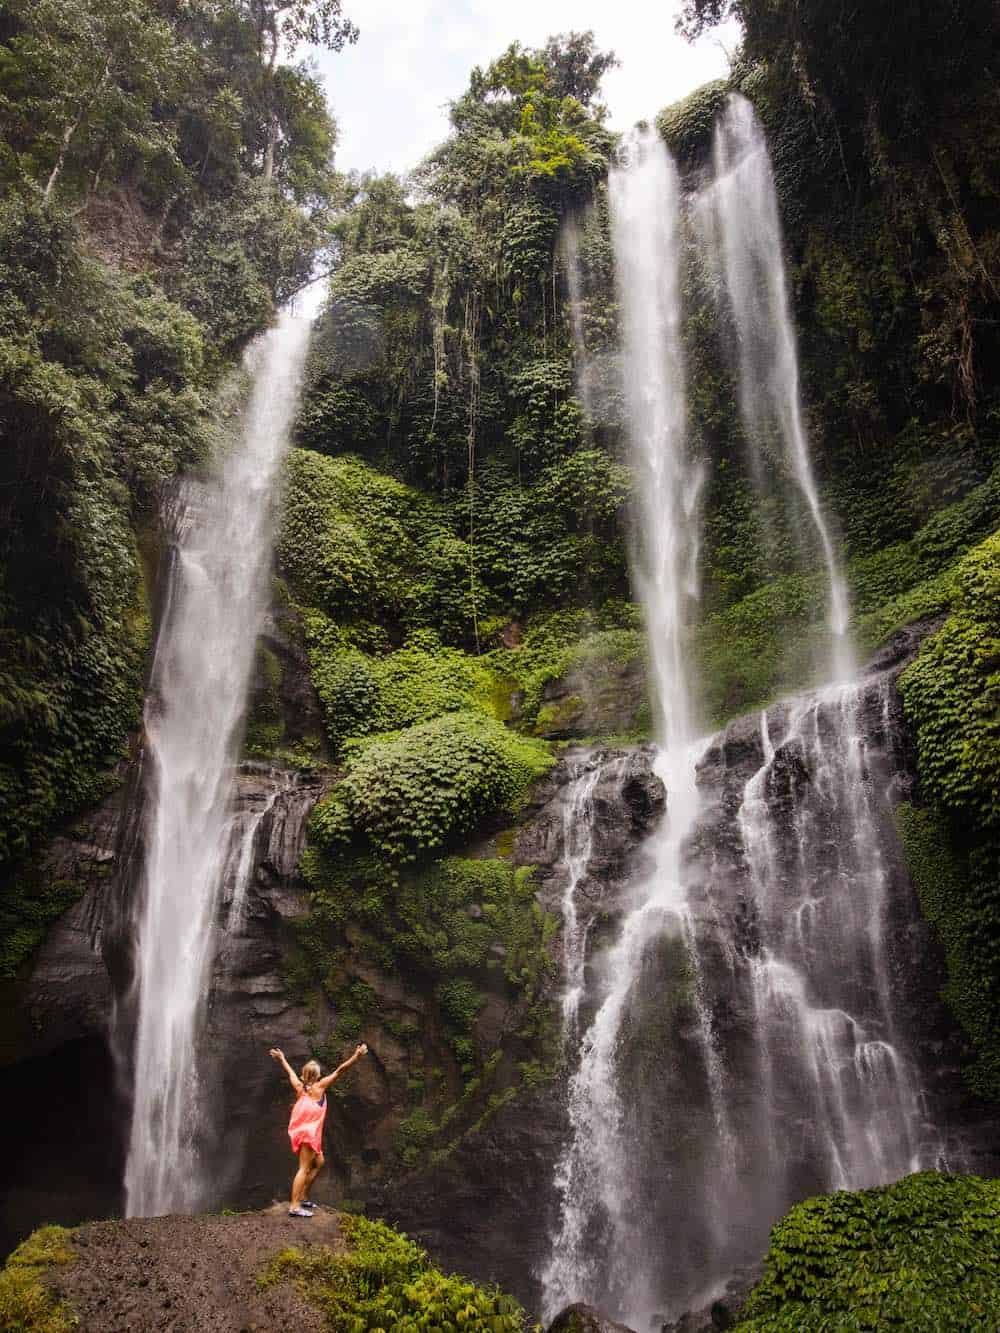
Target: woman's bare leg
(302, 1177)
(315, 1166)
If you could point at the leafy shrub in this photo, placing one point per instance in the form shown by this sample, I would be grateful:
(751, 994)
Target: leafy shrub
(360, 546)
(951, 694)
(385, 1281)
(921, 1254)
(686, 127)
(413, 1136)
(411, 793)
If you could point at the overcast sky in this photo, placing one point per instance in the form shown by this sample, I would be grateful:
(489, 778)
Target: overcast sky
(390, 92)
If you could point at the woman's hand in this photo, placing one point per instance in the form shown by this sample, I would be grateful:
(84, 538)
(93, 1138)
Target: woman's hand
(275, 1054)
(360, 1050)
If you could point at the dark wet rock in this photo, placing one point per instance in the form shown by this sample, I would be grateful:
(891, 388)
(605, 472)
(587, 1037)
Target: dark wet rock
(628, 802)
(72, 1021)
(723, 1312)
(584, 1319)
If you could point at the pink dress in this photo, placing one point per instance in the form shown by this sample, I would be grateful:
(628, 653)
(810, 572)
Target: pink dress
(306, 1124)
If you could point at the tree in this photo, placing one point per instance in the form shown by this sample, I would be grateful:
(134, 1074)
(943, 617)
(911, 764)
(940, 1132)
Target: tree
(84, 78)
(286, 24)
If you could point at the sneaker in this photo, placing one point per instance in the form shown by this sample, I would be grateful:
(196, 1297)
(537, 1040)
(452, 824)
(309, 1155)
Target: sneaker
(307, 1203)
(299, 1212)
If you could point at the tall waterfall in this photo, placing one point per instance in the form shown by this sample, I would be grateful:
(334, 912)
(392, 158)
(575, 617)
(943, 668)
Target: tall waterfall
(745, 204)
(744, 1047)
(201, 675)
(601, 1233)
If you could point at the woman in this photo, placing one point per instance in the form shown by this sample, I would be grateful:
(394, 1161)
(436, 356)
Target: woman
(305, 1129)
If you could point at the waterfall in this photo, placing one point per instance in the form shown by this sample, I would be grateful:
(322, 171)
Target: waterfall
(818, 974)
(601, 1235)
(578, 841)
(745, 1048)
(204, 658)
(747, 227)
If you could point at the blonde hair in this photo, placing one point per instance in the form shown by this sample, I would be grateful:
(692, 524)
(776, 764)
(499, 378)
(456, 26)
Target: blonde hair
(310, 1073)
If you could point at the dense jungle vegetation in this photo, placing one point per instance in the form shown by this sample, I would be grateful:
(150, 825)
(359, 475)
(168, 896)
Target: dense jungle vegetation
(454, 538)
(166, 178)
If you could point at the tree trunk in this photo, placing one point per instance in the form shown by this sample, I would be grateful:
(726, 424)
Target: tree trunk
(71, 129)
(272, 139)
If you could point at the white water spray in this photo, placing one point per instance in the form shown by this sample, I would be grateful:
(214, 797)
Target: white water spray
(820, 983)
(594, 1176)
(749, 229)
(201, 676)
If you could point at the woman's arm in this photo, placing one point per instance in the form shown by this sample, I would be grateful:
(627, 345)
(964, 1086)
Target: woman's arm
(324, 1083)
(293, 1078)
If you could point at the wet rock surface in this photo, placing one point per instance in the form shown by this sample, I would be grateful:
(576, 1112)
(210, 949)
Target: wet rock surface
(584, 1319)
(189, 1274)
(71, 1018)
(722, 1311)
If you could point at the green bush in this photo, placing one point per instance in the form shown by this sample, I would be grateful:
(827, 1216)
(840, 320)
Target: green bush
(921, 1254)
(362, 547)
(410, 794)
(384, 1281)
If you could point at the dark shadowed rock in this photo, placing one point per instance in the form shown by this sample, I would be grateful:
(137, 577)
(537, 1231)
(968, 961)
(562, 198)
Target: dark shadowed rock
(584, 1319)
(723, 1311)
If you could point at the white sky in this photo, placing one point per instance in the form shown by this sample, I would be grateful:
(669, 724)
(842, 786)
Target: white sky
(390, 92)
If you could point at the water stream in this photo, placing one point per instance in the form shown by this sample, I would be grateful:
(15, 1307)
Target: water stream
(600, 1232)
(204, 658)
(745, 1047)
(747, 229)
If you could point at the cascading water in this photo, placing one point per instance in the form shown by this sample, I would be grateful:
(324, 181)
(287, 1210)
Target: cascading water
(194, 715)
(818, 971)
(578, 839)
(744, 202)
(602, 1231)
(745, 1048)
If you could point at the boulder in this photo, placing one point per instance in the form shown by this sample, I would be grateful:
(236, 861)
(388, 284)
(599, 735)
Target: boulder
(584, 1319)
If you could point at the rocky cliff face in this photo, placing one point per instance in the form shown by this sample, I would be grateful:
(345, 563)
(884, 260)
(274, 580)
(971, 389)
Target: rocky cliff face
(485, 1202)
(812, 1048)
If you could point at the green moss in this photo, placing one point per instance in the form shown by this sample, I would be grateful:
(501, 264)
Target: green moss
(26, 1304)
(774, 639)
(410, 794)
(28, 907)
(384, 1281)
(951, 694)
(361, 547)
(413, 1137)
(686, 126)
(966, 921)
(555, 645)
(920, 1254)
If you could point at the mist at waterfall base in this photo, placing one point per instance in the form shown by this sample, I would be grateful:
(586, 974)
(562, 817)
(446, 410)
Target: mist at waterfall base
(737, 1046)
(198, 850)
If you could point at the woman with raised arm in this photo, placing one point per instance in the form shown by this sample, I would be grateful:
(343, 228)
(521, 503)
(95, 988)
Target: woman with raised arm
(305, 1129)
